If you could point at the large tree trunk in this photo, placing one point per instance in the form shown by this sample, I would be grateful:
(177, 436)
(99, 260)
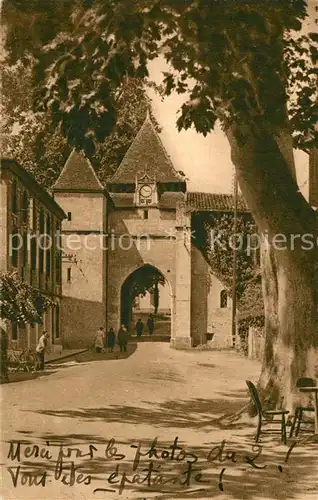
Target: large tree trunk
(290, 274)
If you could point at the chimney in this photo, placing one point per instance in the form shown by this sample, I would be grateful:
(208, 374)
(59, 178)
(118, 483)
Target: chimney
(313, 177)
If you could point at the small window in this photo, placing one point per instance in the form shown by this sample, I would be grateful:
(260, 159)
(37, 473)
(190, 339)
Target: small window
(48, 225)
(34, 215)
(58, 267)
(41, 260)
(25, 250)
(57, 322)
(42, 221)
(58, 236)
(14, 330)
(14, 200)
(15, 245)
(145, 214)
(223, 299)
(25, 207)
(48, 262)
(69, 215)
(69, 274)
(33, 254)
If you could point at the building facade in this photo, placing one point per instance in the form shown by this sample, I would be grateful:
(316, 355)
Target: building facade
(106, 239)
(30, 224)
(140, 224)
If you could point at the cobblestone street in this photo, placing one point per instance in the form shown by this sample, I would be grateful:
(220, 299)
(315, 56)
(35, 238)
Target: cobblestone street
(154, 392)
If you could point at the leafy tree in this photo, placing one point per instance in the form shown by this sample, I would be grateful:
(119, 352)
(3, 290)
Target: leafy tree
(147, 280)
(215, 238)
(20, 302)
(35, 142)
(238, 64)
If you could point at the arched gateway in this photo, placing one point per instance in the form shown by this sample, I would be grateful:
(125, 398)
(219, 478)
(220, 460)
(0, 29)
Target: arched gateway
(134, 306)
(141, 221)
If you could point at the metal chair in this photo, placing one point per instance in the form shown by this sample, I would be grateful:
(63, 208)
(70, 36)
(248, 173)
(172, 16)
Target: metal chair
(299, 410)
(266, 416)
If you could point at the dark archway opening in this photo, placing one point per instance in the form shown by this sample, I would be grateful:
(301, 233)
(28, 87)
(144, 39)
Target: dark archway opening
(146, 292)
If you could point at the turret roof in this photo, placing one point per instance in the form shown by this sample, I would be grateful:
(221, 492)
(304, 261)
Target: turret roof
(146, 155)
(77, 175)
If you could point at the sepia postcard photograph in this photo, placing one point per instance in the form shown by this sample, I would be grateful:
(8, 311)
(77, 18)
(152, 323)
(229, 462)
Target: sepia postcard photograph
(159, 249)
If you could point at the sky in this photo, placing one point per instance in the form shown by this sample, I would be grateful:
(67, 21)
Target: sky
(206, 161)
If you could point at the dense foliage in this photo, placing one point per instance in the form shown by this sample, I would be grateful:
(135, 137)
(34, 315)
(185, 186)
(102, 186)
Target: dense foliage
(89, 48)
(147, 280)
(20, 302)
(214, 235)
(34, 141)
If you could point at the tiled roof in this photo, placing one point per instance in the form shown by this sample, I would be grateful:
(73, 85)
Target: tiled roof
(77, 174)
(146, 155)
(122, 199)
(214, 202)
(170, 199)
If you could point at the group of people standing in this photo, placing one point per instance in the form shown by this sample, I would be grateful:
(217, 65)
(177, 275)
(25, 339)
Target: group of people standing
(108, 341)
(140, 326)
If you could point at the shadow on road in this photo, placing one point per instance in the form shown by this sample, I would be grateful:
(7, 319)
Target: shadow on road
(247, 473)
(91, 355)
(193, 413)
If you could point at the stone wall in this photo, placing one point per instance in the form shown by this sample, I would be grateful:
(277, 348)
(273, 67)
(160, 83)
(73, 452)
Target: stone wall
(84, 267)
(81, 319)
(207, 315)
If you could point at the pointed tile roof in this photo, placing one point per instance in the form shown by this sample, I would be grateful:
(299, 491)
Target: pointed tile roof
(146, 155)
(77, 175)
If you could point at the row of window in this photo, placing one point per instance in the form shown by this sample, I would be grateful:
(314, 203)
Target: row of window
(55, 326)
(28, 204)
(33, 258)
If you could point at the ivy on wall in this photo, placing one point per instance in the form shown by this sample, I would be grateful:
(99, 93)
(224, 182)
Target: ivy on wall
(214, 237)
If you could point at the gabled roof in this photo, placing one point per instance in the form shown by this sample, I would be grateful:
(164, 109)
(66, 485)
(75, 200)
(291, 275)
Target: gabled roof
(77, 175)
(214, 202)
(146, 155)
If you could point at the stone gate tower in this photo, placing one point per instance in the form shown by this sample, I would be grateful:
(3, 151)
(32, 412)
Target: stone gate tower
(147, 226)
(84, 256)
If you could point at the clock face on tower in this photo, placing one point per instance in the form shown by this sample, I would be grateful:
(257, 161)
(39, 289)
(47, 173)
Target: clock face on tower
(146, 191)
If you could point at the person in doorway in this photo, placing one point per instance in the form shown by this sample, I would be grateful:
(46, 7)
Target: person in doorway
(123, 338)
(40, 350)
(111, 337)
(139, 328)
(99, 340)
(150, 324)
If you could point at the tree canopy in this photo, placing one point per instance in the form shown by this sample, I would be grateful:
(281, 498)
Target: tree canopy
(20, 302)
(237, 61)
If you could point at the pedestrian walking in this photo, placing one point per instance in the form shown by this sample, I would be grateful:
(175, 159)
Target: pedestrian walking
(123, 338)
(99, 340)
(40, 350)
(139, 328)
(150, 324)
(111, 337)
